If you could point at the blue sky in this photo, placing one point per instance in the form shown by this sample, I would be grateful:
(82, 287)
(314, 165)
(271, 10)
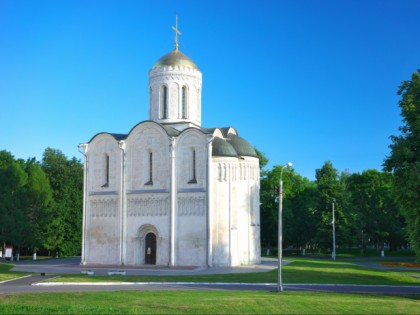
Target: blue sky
(303, 81)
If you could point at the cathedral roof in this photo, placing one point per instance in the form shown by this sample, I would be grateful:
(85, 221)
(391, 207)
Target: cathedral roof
(228, 144)
(231, 144)
(241, 146)
(223, 148)
(175, 58)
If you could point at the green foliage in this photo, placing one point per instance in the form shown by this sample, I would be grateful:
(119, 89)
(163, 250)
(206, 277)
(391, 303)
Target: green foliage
(298, 211)
(12, 200)
(373, 204)
(262, 157)
(66, 179)
(298, 201)
(39, 199)
(35, 214)
(365, 210)
(331, 189)
(404, 160)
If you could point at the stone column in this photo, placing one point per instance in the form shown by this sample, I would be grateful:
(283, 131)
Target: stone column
(172, 254)
(85, 182)
(123, 212)
(209, 203)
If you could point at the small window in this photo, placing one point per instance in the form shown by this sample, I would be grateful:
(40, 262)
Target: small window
(184, 102)
(150, 182)
(193, 165)
(106, 171)
(164, 102)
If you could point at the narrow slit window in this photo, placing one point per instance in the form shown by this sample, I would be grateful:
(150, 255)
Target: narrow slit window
(150, 182)
(106, 171)
(194, 169)
(165, 102)
(184, 102)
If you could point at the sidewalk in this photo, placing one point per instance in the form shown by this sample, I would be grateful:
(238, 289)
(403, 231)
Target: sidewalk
(72, 266)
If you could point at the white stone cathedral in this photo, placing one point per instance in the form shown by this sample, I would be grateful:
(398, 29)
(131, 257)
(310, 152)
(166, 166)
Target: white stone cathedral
(171, 192)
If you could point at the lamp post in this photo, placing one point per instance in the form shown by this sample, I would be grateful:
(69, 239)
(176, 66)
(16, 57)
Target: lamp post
(333, 226)
(280, 236)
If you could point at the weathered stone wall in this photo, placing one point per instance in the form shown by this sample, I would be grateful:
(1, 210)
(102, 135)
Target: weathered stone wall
(103, 206)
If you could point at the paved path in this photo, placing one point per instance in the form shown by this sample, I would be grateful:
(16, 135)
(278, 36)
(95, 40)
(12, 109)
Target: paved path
(41, 284)
(72, 266)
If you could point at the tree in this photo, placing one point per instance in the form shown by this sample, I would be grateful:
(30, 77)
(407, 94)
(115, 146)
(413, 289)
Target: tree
(66, 179)
(12, 201)
(404, 160)
(298, 227)
(372, 202)
(298, 211)
(329, 189)
(39, 199)
(262, 157)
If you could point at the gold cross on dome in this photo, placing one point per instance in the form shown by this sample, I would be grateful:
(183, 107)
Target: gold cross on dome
(177, 32)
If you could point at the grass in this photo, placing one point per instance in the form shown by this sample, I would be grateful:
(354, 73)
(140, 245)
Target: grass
(344, 253)
(300, 271)
(206, 302)
(227, 302)
(321, 271)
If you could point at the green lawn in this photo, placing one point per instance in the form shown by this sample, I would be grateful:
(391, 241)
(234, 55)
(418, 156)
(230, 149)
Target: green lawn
(206, 302)
(227, 302)
(338, 272)
(300, 271)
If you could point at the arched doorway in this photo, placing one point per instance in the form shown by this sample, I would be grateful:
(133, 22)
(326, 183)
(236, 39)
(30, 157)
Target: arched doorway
(150, 249)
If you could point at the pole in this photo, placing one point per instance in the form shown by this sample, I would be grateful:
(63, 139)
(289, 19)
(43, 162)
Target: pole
(280, 236)
(333, 224)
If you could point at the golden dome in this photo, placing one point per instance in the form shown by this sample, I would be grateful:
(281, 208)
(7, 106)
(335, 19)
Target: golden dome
(175, 58)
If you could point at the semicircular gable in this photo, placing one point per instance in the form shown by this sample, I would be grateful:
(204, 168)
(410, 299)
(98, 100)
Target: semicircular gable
(149, 124)
(115, 136)
(190, 133)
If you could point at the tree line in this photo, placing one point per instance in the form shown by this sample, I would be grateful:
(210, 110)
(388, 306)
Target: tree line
(372, 208)
(41, 204)
(366, 213)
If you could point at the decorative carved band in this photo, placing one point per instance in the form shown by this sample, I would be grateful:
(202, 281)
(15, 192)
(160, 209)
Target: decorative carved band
(103, 208)
(192, 206)
(233, 172)
(148, 206)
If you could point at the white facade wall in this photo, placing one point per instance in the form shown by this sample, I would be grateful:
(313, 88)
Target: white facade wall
(120, 214)
(103, 207)
(147, 202)
(235, 214)
(191, 176)
(147, 213)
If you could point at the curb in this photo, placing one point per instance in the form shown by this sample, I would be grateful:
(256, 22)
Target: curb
(150, 283)
(218, 283)
(14, 279)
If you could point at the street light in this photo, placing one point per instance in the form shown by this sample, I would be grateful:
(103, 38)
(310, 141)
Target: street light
(280, 240)
(333, 226)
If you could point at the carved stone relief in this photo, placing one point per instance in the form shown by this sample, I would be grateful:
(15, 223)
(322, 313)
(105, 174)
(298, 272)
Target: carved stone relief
(148, 206)
(103, 208)
(192, 206)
